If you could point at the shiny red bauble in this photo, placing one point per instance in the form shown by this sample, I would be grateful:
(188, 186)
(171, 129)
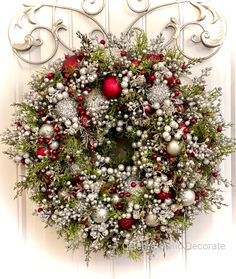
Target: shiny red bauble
(126, 223)
(111, 88)
(70, 63)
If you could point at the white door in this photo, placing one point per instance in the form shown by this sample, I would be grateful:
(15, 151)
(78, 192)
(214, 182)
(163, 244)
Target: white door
(27, 249)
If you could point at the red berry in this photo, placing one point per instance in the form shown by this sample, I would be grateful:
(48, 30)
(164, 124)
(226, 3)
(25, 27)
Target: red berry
(126, 223)
(128, 194)
(196, 197)
(81, 55)
(57, 137)
(178, 212)
(219, 129)
(47, 140)
(154, 156)
(142, 72)
(53, 158)
(157, 238)
(118, 108)
(215, 173)
(54, 152)
(171, 159)
(184, 67)
(152, 77)
(80, 108)
(133, 184)
(185, 130)
(121, 195)
(177, 81)
(185, 137)
(40, 209)
(123, 53)
(50, 75)
(56, 129)
(148, 109)
(102, 42)
(135, 62)
(62, 136)
(113, 189)
(119, 206)
(180, 179)
(41, 113)
(141, 184)
(40, 140)
(91, 148)
(193, 121)
(176, 92)
(203, 193)
(80, 98)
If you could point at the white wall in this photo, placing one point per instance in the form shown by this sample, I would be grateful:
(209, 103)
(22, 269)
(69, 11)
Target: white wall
(27, 249)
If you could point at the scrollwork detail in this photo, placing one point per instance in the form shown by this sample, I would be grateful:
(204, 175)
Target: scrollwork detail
(205, 19)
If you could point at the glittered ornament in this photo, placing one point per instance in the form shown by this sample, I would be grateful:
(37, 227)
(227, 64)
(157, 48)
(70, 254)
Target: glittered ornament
(66, 108)
(101, 215)
(158, 93)
(174, 148)
(94, 101)
(126, 223)
(188, 197)
(111, 88)
(46, 131)
(70, 63)
(151, 220)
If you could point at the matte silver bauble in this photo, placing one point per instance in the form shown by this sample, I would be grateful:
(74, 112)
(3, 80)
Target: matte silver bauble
(188, 197)
(46, 131)
(174, 148)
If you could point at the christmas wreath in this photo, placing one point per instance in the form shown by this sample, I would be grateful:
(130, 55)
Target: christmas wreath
(121, 147)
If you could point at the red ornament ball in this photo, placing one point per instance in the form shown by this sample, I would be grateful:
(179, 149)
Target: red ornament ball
(126, 223)
(111, 88)
(70, 63)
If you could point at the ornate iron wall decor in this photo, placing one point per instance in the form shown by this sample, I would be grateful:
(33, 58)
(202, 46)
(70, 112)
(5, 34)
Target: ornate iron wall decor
(200, 27)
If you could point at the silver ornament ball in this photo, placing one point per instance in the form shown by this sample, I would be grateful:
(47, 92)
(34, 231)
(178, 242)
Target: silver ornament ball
(151, 220)
(188, 197)
(174, 148)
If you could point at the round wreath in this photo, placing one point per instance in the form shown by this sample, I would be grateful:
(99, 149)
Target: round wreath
(121, 148)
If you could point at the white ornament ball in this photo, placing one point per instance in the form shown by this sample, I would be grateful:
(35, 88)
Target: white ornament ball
(174, 148)
(188, 197)
(46, 131)
(151, 220)
(101, 215)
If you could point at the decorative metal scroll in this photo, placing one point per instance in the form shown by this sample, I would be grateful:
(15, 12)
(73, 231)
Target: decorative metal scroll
(199, 29)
